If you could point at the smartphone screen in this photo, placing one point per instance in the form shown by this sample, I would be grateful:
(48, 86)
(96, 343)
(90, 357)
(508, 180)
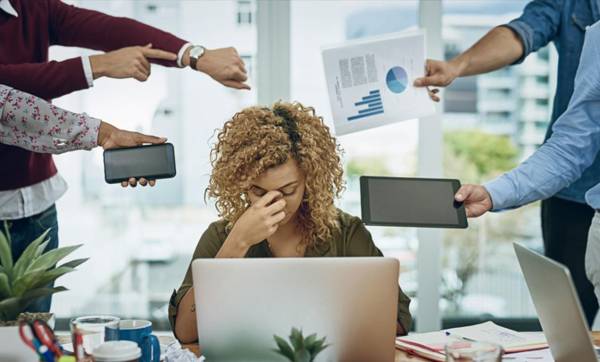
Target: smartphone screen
(151, 162)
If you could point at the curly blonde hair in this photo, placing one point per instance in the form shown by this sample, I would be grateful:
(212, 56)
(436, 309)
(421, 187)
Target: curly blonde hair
(258, 138)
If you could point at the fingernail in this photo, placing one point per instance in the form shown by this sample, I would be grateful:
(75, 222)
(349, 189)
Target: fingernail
(459, 196)
(417, 82)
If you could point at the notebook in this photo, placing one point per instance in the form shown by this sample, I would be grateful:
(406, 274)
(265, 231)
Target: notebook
(431, 345)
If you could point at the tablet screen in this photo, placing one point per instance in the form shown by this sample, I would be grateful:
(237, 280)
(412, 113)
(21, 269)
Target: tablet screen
(396, 201)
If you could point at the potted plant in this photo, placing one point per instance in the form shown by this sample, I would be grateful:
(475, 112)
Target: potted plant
(301, 349)
(24, 281)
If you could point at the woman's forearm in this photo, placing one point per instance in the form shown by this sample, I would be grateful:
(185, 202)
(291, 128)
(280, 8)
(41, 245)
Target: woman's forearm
(186, 329)
(233, 247)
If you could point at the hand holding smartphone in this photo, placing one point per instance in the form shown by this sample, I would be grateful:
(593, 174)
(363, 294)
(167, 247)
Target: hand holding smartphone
(151, 162)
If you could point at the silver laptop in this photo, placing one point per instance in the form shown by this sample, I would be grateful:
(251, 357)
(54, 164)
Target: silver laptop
(557, 306)
(242, 303)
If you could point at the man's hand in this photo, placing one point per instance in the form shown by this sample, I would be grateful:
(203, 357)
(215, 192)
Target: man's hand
(438, 74)
(110, 136)
(476, 198)
(223, 65)
(130, 62)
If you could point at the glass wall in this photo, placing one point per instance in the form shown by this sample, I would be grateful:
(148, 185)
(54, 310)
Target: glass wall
(390, 150)
(141, 240)
(491, 123)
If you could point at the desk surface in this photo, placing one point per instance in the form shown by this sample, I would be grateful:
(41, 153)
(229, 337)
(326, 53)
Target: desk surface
(400, 355)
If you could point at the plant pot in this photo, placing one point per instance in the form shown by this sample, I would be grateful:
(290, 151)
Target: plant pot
(12, 347)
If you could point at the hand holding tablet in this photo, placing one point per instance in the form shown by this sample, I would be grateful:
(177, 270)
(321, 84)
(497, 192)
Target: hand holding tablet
(417, 202)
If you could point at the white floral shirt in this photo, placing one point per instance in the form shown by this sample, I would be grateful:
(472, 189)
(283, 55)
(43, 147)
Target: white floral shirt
(31, 123)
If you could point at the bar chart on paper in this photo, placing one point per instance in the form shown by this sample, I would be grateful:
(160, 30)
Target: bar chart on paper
(368, 105)
(370, 81)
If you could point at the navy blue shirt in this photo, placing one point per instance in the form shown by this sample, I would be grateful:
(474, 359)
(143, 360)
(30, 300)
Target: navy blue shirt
(562, 22)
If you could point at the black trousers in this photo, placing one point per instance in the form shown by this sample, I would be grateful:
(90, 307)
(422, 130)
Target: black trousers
(565, 226)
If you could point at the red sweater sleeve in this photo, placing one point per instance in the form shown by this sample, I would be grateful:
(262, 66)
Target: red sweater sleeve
(73, 26)
(58, 78)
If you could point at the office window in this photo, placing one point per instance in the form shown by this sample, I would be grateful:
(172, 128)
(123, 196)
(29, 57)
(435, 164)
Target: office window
(481, 276)
(141, 240)
(245, 12)
(318, 23)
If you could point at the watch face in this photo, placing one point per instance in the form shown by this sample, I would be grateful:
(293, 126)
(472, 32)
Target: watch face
(197, 51)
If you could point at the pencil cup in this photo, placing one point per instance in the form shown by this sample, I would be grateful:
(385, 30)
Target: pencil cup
(94, 330)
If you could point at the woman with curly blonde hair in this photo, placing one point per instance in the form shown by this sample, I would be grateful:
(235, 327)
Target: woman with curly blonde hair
(276, 174)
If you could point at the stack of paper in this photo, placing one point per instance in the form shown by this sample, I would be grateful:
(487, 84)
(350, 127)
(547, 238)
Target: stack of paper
(431, 345)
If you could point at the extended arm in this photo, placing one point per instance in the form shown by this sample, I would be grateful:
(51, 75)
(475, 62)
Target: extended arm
(501, 46)
(572, 148)
(73, 26)
(29, 122)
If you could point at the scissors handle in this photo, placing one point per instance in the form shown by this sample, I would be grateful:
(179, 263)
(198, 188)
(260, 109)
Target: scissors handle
(46, 336)
(26, 339)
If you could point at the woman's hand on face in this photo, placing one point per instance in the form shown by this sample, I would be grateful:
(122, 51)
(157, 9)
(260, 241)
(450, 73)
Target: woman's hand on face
(261, 220)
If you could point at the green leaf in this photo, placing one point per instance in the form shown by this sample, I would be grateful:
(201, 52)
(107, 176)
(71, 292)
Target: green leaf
(284, 348)
(37, 279)
(49, 276)
(302, 355)
(7, 233)
(28, 256)
(297, 339)
(11, 307)
(40, 250)
(4, 286)
(52, 257)
(21, 285)
(75, 263)
(310, 340)
(5, 255)
(42, 292)
(320, 348)
(316, 347)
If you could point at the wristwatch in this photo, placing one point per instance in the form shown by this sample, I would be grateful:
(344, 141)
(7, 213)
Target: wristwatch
(195, 53)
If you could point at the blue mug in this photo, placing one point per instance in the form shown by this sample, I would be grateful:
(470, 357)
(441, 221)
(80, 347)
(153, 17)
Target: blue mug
(140, 332)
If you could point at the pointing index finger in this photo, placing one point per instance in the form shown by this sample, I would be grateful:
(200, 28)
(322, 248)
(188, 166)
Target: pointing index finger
(158, 54)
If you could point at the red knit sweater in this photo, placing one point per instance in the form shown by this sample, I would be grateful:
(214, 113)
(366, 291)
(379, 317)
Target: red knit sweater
(24, 64)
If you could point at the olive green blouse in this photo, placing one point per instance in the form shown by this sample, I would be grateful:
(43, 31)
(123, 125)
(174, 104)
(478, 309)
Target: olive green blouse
(353, 239)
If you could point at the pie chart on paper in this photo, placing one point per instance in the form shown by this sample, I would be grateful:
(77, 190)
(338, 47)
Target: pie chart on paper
(397, 79)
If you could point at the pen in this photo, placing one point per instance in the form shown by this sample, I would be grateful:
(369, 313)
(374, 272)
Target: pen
(448, 334)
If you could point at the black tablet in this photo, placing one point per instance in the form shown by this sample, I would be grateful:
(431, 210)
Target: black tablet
(418, 202)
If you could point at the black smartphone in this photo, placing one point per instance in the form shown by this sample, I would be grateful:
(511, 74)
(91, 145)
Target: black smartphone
(150, 162)
(416, 202)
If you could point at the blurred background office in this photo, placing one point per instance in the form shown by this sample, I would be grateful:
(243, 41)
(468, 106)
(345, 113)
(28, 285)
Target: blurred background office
(141, 242)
